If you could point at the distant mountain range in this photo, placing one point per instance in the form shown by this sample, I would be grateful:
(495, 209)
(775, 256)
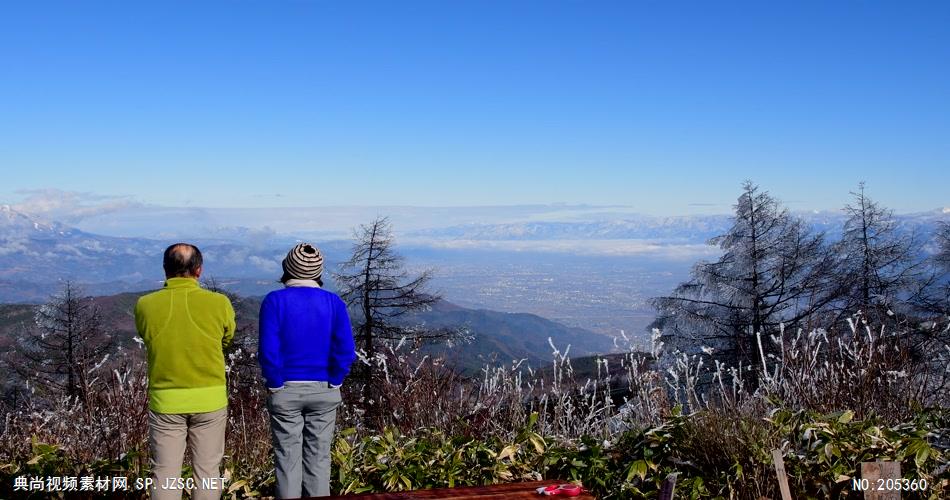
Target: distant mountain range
(678, 229)
(36, 254)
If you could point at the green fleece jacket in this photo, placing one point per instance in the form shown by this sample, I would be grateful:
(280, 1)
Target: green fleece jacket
(185, 329)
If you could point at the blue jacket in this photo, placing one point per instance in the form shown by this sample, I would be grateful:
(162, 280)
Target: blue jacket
(305, 334)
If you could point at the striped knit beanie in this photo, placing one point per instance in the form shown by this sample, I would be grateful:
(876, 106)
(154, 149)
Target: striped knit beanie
(304, 262)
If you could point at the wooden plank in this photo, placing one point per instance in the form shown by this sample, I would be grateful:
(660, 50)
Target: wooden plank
(779, 462)
(493, 492)
(877, 474)
(666, 489)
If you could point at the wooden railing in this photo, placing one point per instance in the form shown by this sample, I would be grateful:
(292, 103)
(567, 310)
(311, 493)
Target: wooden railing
(512, 491)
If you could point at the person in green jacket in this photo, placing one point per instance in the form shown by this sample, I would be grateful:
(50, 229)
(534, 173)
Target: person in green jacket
(185, 329)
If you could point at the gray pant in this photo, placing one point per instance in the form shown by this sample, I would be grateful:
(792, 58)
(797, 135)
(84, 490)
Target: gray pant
(302, 417)
(203, 433)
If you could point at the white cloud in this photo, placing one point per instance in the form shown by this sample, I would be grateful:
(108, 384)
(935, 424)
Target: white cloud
(264, 264)
(11, 246)
(62, 249)
(69, 206)
(235, 257)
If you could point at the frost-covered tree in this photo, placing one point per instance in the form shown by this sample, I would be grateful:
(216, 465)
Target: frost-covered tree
(931, 295)
(60, 355)
(942, 260)
(379, 291)
(943, 241)
(773, 270)
(376, 285)
(876, 260)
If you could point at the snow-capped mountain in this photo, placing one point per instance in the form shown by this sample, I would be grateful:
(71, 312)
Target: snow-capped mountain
(32, 249)
(38, 251)
(35, 252)
(14, 222)
(676, 229)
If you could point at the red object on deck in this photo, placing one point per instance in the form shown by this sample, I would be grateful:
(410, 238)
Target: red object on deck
(568, 490)
(511, 491)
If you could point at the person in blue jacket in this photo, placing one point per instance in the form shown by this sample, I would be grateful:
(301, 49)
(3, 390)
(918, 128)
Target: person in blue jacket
(305, 350)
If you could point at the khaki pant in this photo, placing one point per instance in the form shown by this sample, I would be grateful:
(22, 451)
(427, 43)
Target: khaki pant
(203, 433)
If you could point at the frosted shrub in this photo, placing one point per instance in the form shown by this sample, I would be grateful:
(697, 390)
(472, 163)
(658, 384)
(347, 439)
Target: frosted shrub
(862, 369)
(630, 419)
(111, 427)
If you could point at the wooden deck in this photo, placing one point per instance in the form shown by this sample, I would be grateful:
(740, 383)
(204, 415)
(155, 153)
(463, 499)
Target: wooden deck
(496, 492)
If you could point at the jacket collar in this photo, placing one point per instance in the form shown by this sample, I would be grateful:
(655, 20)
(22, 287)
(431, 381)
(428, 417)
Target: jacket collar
(301, 283)
(181, 283)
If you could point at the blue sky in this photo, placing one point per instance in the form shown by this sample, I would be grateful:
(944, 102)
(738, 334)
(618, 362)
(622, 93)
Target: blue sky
(663, 106)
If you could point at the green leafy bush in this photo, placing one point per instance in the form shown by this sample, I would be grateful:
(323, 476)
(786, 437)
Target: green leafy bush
(711, 459)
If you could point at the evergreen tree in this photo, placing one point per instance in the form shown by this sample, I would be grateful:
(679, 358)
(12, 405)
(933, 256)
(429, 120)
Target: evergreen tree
(875, 259)
(773, 270)
(931, 295)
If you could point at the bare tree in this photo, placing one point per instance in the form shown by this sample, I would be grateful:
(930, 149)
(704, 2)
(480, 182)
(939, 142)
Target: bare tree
(876, 259)
(376, 285)
(773, 270)
(68, 344)
(379, 292)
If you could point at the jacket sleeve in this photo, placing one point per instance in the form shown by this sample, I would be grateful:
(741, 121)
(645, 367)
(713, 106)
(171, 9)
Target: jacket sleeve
(269, 345)
(342, 348)
(140, 319)
(229, 323)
